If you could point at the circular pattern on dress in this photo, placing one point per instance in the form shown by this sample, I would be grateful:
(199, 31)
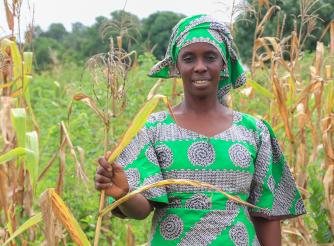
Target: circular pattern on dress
(239, 155)
(151, 156)
(271, 183)
(201, 154)
(239, 234)
(133, 177)
(172, 227)
(164, 155)
(299, 207)
(276, 150)
(198, 201)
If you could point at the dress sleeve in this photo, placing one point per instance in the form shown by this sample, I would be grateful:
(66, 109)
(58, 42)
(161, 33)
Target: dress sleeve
(273, 188)
(141, 166)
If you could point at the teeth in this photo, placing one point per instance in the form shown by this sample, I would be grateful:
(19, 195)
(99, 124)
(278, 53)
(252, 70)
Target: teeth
(200, 82)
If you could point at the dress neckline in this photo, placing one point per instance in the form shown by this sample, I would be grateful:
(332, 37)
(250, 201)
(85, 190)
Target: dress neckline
(171, 115)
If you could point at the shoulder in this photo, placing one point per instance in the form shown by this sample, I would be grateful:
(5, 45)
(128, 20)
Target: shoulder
(156, 117)
(249, 121)
(253, 123)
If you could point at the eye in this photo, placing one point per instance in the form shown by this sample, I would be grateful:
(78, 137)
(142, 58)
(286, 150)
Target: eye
(211, 57)
(188, 59)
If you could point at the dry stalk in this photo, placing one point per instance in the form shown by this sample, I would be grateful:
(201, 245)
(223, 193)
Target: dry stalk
(109, 72)
(130, 237)
(166, 182)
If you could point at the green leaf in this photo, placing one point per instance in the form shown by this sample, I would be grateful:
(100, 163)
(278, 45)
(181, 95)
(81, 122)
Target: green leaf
(137, 123)
(27, 62)
(14, 153)
(26, 225)
(260, 89)
(32, 159)
(19, 119)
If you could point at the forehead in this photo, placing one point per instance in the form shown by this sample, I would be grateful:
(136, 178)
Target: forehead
(199, 47)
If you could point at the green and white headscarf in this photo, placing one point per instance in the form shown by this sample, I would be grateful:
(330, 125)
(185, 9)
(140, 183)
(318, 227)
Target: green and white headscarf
(203, 28)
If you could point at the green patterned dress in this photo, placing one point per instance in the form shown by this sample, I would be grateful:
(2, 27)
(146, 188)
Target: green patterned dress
(244, 160)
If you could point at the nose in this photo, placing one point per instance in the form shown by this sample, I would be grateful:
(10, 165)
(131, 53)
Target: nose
(200, 66)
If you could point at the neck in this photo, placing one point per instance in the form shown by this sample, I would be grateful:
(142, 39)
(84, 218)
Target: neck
(196, 105)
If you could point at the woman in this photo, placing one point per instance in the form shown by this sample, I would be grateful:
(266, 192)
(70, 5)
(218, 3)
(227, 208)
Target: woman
(204, 140)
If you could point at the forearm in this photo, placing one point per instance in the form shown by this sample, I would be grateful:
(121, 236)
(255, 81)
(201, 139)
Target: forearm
(138, 207)
(268, 232)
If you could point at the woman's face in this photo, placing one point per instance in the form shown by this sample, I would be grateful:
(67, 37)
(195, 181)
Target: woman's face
(200, 65)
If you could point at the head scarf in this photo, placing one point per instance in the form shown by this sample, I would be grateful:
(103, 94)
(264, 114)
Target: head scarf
(203, 28)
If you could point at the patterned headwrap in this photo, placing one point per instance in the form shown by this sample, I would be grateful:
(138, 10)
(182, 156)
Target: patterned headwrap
(203, 28)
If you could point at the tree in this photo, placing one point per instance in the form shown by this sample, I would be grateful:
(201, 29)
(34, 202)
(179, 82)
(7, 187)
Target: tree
(56, 31)
(156, 30)
(43, 46)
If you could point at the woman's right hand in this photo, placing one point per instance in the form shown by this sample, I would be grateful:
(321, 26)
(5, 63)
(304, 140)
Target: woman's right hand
(111, 178)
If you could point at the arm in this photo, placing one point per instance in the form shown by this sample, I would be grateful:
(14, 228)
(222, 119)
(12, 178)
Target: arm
(137, 207)
(267, 231)
(112, 179)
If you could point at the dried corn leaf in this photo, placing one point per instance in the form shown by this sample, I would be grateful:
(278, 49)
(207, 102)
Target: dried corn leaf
(282, 108)
(262, 2)
(79, 169)
(90, 103)
(3, 191)
(6, 127)
(64, 215)
(172, 182)
(130, 237)
(154, 89)
(294, 49)
(9, 16)
(269, 13)
(47, 167)
(311, 88)
(9, 84)
(52, 227)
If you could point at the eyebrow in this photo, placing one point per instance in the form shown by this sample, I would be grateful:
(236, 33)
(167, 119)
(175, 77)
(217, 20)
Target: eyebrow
(205, 53)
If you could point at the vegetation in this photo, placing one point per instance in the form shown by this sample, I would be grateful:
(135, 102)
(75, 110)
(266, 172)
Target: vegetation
(56, 123)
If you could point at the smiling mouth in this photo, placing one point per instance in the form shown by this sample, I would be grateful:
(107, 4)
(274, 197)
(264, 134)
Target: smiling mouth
(201, 82)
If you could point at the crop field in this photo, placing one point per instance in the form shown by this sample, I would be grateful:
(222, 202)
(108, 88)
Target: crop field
(56, 121)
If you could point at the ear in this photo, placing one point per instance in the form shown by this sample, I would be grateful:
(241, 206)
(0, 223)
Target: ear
(174, 71)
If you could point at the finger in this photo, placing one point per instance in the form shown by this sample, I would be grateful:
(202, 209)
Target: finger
(101, 171)
(100, 186)
(102, 179)
(105, 164)
(107, 155)
(117, 168)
